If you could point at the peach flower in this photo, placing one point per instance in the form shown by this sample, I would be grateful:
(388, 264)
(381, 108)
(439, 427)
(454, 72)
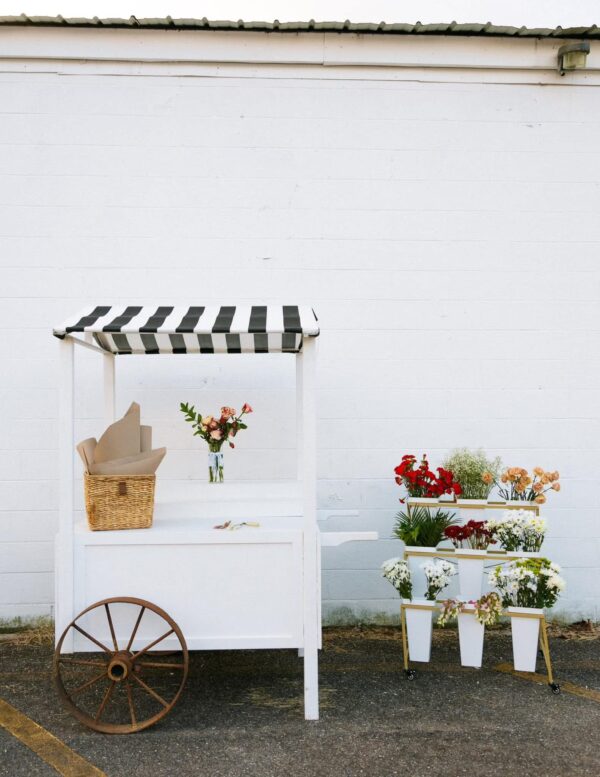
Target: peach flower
(487, 477)
(555, 486)
(538, 471)
(540, 499)
(227, 412)
(217, 434)
(537, 487)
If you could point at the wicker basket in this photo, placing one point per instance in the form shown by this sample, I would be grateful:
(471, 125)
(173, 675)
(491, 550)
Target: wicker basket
(119, 502)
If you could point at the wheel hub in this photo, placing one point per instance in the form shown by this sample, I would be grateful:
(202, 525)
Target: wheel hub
(120, 666)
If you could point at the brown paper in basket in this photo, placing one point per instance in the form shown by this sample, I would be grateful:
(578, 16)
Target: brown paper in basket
(121, 438)
(142, 464)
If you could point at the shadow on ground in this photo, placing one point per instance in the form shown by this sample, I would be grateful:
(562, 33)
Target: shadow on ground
(241, 714)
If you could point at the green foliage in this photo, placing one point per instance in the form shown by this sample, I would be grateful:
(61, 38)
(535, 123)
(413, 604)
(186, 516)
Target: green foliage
(193, 418)
(469, 467)
(423, 526)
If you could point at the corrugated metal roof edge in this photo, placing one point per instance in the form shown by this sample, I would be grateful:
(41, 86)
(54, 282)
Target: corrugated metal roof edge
(382, 28)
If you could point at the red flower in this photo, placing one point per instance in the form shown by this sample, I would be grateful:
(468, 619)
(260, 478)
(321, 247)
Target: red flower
(420, 481)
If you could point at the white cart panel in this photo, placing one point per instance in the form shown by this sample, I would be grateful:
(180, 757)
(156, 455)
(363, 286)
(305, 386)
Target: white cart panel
(222, 595)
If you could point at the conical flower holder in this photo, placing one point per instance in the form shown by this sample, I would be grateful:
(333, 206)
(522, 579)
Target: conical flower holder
(470, 573)
(419, 621)
(470, 637)
(419, 581)
(215, 467)
(525, 636)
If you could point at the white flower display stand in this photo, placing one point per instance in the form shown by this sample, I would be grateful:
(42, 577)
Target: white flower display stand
(252, 588)
(528, 625)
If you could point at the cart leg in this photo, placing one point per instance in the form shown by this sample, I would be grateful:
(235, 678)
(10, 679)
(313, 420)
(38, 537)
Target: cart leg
(311, 684)
(410, 674)
(545, 646)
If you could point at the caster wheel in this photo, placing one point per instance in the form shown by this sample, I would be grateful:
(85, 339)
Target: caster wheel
(555, 688)
(410, 674)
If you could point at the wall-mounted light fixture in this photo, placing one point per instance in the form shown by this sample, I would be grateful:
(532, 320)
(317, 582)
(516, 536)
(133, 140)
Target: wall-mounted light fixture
(572, 56)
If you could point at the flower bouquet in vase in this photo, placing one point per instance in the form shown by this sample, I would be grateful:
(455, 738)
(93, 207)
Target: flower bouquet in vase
(473, 616)
(475, 472)
(470, 542)
(419, 615)
(526, 587)
(516, 484)
(216, 431)
(518, 531)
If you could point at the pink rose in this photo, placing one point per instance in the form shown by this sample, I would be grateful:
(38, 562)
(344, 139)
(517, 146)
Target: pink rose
(216, 435)
(246, 408)
(227, 412)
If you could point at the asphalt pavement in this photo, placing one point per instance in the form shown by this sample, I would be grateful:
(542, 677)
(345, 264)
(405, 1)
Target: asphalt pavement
(241, 715)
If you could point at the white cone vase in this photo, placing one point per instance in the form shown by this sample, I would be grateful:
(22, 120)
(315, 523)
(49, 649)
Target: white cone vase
(419, 581)
(470, 573)
(470, 637)
(525, 637)
(419, 622)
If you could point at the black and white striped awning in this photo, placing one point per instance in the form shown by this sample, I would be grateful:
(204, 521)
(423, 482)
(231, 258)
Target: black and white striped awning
(198, 329)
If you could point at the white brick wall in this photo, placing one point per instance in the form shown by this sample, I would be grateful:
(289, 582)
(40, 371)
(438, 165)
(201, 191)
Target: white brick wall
(443, 226)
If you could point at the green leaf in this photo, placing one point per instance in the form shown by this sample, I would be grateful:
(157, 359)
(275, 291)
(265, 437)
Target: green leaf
(423, 527)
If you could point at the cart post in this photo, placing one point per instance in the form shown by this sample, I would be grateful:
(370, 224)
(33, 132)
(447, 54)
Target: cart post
(63, 568)
(108, 360)
(307, 365)
(299, 418)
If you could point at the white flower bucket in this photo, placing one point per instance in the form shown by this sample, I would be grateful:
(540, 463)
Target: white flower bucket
(470, 573)
(470, 637)
(525, 637)
(419, 582)
(418, 628)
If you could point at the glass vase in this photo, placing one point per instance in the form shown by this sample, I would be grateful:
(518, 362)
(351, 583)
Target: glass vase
(215, 467)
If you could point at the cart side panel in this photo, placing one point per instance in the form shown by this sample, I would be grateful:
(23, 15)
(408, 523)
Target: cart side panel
(223, 596)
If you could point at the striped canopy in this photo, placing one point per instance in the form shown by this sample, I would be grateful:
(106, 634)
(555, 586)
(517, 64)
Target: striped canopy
(198, 329)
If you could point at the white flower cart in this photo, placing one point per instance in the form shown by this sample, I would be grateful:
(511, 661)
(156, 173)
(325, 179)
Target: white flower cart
(253, 588)
(527, 625)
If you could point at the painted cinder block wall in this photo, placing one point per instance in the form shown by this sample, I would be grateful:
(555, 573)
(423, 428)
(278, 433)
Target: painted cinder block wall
(443, 222)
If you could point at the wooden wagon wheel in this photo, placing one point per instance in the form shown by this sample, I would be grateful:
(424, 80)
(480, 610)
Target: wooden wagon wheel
(134, 688)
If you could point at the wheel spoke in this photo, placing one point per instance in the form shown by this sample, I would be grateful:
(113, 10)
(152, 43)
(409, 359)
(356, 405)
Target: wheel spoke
(158, 665)
(156, 641)
(82, 662)
(92, 639)
(88, 684)
(150, 691)
(112, 628)
(135, 628)
(130, 700)
(105, 700)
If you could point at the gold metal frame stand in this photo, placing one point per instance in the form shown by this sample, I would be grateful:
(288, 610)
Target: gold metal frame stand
(410, 672)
